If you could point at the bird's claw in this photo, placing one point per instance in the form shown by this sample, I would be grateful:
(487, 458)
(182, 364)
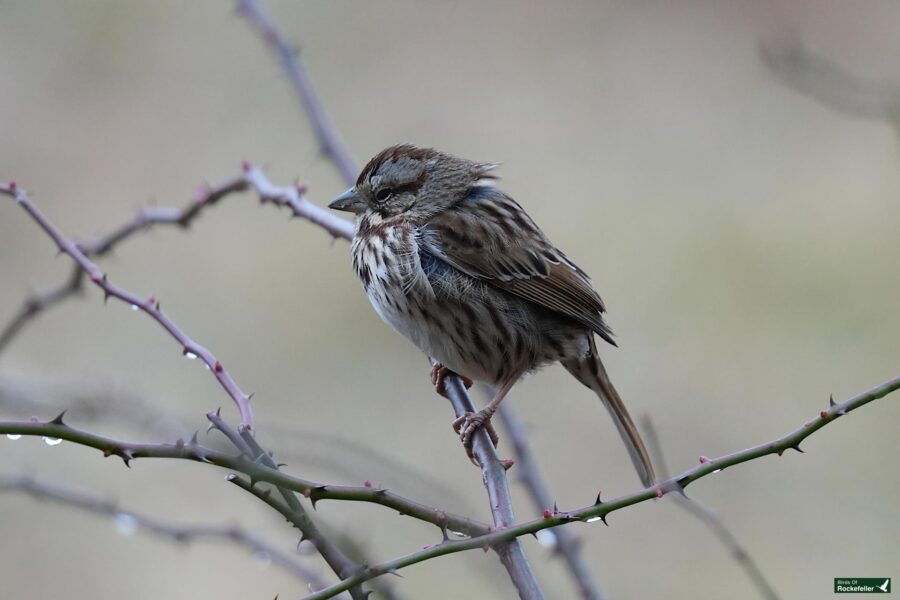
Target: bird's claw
(468, 424)
(439, 372)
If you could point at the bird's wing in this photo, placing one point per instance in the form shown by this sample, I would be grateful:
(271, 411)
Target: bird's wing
(488, 236)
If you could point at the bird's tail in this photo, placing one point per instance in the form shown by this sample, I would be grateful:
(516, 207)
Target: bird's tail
(590, 371)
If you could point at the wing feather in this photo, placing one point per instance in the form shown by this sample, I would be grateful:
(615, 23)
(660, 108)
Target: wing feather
(488, 236)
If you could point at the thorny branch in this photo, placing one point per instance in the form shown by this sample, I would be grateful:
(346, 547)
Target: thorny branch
(143, 220)
(193, 450)
(150, 305)
(292, 510)
(293, 197)
(131, 520)
(598, 510)
(566, 544)
(735, 549)
(493, 471)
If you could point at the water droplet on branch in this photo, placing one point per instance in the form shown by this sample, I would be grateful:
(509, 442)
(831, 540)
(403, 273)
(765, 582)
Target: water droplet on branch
(546, 538)
(52, 441)
(125, 524)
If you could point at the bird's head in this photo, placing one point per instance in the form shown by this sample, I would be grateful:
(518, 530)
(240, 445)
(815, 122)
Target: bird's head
(411, 181)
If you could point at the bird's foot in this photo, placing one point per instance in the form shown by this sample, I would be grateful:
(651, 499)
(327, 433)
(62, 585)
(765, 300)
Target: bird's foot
(439, 372)
(468, 424)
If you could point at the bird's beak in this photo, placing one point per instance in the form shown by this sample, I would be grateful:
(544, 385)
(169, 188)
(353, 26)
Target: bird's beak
(349, 201)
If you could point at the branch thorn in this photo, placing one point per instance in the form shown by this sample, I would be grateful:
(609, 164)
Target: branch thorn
(58, 420)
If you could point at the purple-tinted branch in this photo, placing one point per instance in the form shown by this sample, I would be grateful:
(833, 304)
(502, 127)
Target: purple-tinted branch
(528, 471)
(601, 508)
(494, 473)
(708, 517)
(244, 441)
(326, 133)
(339, 562)
(282, 507)
(163, 215)
(294, 198)
(133, 521)
(98, 246)
(37, 303)
(192, 450)
(150, 305)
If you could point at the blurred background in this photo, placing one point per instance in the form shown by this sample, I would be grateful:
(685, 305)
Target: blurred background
(743, 234)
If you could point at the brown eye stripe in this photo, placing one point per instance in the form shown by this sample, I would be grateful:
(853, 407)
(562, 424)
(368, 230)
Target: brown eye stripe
(411, 187)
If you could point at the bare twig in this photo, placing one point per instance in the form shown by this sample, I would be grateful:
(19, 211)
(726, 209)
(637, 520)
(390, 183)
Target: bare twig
(708, 517)
(294, 198)
(329, 140)
(600, 509)
(567, 545)
(193, 450)
(37, 303)
(150, 305)
(131, 520)
(57, 429)
(280, 506)
(342, 566)
(302, 521)
(835, 87)
(143, 220)
(339, 455)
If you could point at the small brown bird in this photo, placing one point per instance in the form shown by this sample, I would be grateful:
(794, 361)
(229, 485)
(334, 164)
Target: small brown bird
(459, 268)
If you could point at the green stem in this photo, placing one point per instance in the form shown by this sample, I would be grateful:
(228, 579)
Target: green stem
(601, 509)
(191, 450)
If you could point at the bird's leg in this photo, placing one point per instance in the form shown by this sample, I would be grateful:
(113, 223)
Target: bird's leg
(439, 372)
(468, 423)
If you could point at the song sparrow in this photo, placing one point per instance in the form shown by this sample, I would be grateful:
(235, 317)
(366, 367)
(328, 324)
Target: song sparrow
(458, 267)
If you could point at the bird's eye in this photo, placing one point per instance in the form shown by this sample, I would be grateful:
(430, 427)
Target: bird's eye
(383, 194)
